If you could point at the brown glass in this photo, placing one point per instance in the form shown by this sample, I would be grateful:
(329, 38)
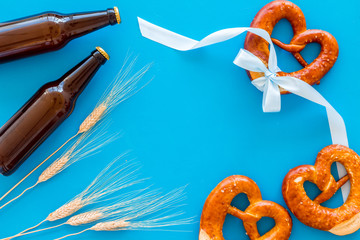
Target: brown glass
(48, 32)
(43, 113)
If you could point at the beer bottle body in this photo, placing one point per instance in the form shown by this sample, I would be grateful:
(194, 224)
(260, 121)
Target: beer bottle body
(43, 113)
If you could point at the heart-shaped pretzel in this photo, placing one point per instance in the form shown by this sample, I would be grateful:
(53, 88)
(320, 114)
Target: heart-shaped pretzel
(340, 221)
(268, 17)
(218, 205)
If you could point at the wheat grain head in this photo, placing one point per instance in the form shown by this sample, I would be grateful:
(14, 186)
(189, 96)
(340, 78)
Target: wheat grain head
(85, 218)
(86, 145)
(66, 210)
(106, 183)
(53, 169)
(94, 117)
(110, 226)
(123, 87)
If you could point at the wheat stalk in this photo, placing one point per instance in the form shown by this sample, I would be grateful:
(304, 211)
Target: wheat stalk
(125, 203)
(124, 206)
(128, 213)
(82, 148)
(110, 180)
(106, 183)
(37, 167)
(62, 212)
(123, 87)
(133, 220)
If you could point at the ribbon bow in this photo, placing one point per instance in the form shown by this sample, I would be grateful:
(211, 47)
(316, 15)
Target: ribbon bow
(268, 84)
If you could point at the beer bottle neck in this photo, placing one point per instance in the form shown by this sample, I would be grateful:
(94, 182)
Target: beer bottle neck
(77, 25)
(74, 81)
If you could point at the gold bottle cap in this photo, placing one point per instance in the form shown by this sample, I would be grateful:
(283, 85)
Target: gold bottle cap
(117, 14)
(102, 51)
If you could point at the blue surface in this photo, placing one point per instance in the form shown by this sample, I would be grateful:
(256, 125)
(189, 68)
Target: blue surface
(198, 122)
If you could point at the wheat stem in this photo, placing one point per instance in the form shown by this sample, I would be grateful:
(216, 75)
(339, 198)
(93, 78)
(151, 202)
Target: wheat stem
(18, 196)
(24, 178)
(73, 234)
(40, 230)
(22, 232)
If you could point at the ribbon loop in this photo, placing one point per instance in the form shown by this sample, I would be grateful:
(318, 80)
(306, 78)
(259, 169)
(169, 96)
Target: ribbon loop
(249, 61)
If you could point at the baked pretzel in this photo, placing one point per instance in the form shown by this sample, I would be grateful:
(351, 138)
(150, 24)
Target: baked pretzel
(268, 17)
(340, 221)
(217, 206)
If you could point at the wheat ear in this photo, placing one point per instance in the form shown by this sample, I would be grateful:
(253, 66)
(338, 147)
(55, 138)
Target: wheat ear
(87, 145)
(91, 120)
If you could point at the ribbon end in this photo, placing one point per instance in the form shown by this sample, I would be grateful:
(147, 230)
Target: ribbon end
(141, 23)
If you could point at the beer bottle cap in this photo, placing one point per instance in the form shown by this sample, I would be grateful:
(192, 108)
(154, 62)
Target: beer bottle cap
(102, 51)
(117, 14)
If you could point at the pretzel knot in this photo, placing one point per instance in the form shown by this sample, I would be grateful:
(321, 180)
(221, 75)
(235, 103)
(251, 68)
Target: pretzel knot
(340, 221)
(268, 17)
(217, 206)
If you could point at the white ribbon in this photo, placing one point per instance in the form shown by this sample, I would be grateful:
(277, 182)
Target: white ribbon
(269, 84)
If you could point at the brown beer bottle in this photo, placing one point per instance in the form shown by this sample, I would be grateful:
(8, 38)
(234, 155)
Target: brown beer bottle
(44, 112)
(49, 32)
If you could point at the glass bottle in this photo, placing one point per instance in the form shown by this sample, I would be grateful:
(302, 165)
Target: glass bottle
(44, 112)
(49, 32)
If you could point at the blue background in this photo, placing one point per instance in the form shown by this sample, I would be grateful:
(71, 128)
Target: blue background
(199, 121)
